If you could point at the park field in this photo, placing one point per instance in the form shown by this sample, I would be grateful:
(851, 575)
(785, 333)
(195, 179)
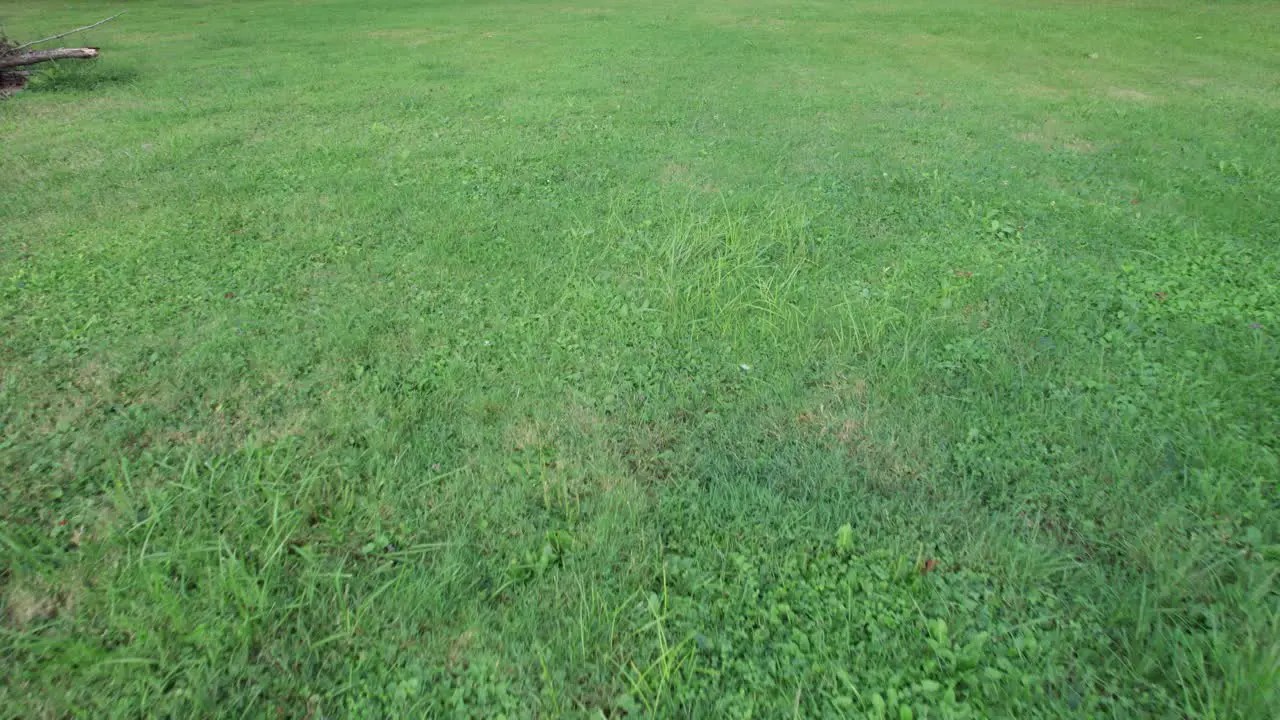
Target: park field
(609, 358)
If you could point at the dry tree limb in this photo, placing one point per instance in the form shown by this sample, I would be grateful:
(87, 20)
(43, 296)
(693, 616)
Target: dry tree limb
(13, 60)
(62, 35)
(12, 56)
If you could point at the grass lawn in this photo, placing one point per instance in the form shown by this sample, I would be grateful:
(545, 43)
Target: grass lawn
(736, 358)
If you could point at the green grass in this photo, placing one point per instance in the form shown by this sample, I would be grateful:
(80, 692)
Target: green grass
(742, 358)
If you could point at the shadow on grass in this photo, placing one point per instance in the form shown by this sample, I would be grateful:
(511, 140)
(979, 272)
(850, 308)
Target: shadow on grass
(77, 77)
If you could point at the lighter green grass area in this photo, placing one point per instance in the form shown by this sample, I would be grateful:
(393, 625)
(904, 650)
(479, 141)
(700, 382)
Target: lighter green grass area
(739, 358)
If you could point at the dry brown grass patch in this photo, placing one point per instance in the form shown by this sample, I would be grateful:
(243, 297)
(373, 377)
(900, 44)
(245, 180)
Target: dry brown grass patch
(1131, 95)
(409, 36)
(152, 38)
(840, 417)
(753, 22)
(459, 647)
(1054, 134)
(676, 174)
(29, 602)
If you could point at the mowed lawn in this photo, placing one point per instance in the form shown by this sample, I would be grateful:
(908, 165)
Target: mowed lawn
(604, 358)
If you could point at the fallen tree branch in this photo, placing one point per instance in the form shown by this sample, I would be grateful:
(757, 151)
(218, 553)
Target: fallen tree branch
(62, 35)
(13, 57)
(13, 60)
